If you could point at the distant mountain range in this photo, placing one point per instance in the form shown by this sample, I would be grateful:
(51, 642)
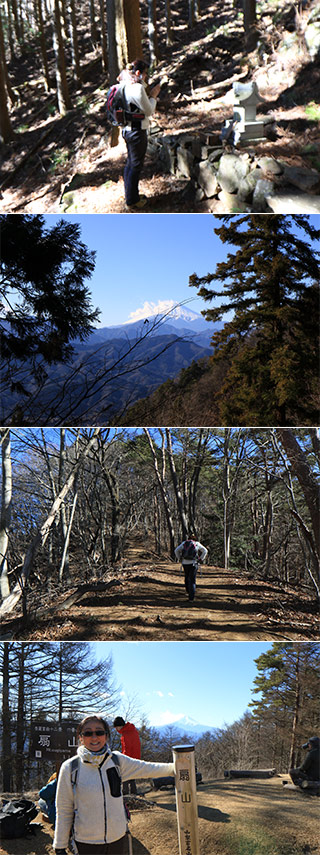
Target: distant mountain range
(186, 726)
(113, 368)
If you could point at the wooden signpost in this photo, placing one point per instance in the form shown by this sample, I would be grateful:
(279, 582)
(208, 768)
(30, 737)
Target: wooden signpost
(186, 799)
(54, 740)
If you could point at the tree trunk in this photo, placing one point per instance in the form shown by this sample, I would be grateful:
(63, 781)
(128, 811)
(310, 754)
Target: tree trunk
(93, 24)
(6, 725)
(296, 712)
(226, 491)
(308, 483)
(5, 521)
(20, 756)
(40, 538)
(178, 495)
(108, 43)
(6, 132)
(10, 91)
(160, 480)
(250, 24)
(113, 488)
(43, 46)
(132, 21)
(169, 36)
(64, 102)
(74, 41)
(152, 32)
(16, 21)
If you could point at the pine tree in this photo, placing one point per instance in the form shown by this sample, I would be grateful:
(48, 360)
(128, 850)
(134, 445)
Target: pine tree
(44, 302)
(288, 687)
(271, 286)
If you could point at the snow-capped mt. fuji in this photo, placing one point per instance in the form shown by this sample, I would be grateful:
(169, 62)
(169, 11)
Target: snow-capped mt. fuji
(188, 726)
(178, 320)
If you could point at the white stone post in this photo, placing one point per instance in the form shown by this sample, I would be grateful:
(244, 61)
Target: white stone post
(186, 799)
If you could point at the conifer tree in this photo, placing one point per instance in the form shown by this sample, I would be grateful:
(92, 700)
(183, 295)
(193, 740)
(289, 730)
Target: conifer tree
(287, 684)
(270, 344)
(44, 301)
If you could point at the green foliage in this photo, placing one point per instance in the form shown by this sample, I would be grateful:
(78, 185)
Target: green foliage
(59, 158)
(82, 104)
(271, 286)
(312, 111)
(44, 299)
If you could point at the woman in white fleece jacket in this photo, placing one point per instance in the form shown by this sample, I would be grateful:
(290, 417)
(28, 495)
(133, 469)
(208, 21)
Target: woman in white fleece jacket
(95, 802)
(135, 132)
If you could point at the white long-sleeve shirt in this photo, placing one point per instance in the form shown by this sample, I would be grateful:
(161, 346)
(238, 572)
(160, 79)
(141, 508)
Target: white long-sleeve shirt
(201, 550)
(136, 93)
(98, 813)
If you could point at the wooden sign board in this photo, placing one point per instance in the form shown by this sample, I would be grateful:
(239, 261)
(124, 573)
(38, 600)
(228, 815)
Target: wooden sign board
(53, 740)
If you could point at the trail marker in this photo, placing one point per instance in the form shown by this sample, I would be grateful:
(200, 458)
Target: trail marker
(186, 799)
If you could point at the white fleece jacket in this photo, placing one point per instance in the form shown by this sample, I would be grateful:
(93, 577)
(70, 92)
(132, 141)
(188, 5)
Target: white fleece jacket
(136, 93)
(99, 816)
(202, 552)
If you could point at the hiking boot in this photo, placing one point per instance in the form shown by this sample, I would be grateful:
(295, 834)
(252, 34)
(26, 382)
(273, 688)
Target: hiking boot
(142, 201)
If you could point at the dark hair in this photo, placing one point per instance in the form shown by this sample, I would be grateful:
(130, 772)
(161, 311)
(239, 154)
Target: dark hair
(138, 65)
(119, 721)
(96, 717)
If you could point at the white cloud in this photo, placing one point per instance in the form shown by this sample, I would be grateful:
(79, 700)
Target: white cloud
(170, 695)
(167, 717)
(160, 694)
(149, 309)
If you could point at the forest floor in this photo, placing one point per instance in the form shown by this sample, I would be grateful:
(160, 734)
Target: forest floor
(237, 817)
(65, 164)
(145, 600)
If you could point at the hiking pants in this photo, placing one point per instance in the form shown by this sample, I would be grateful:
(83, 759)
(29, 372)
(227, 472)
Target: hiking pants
(119, 847)
(297, 776)
(190, 575)
(129, 788)
(136, 142)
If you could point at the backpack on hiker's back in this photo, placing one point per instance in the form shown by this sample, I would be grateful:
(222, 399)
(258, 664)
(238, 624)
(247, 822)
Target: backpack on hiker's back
(119, 111)
(189, 551)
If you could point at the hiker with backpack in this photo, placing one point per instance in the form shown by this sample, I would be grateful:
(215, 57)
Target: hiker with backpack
(191, 553)
(89, 800)
(134, 80)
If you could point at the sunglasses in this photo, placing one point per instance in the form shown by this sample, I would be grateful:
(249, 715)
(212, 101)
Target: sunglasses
(93, 733)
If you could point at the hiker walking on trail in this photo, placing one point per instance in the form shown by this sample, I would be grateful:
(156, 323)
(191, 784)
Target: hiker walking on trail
(135, 132)
(89, 794)
(191, 553)
(310, 768)
(130, 745)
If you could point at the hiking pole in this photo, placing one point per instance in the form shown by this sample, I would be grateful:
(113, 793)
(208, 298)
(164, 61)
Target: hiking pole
(186, 799)
(130, 847)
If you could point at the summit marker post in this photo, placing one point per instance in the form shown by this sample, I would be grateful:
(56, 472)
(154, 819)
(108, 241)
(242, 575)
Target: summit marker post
(186, 799)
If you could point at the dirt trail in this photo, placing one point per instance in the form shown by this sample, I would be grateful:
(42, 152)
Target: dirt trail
(146, 600)
(235, 818)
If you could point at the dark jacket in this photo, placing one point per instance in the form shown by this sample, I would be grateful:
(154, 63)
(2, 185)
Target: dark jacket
(311, 763)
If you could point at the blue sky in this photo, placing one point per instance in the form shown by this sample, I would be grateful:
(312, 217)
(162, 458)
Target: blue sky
(148, 259)
(210, 682)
